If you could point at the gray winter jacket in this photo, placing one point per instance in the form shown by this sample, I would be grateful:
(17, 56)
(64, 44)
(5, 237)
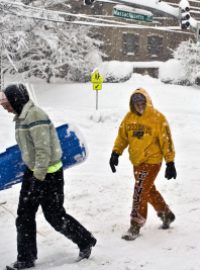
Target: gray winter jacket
(37, 140)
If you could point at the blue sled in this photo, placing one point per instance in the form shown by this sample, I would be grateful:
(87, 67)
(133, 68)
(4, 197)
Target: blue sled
(12, 166)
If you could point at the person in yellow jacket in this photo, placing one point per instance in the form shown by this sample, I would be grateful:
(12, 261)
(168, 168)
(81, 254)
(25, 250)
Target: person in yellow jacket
(147, 134)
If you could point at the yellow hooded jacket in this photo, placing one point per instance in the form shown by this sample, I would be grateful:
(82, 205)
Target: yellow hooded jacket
(147, 136)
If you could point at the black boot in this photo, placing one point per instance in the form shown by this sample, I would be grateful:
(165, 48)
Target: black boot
(85, 251)
(132, 233)
(21, 265)
(167, 218)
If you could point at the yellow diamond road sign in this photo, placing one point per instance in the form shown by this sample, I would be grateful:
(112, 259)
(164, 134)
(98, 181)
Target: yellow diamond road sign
(96, 80)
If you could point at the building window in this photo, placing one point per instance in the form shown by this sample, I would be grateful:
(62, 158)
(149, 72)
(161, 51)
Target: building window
(155, 45)
(130, 43)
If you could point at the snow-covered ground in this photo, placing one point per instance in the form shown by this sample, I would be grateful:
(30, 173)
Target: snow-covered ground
(102, 200)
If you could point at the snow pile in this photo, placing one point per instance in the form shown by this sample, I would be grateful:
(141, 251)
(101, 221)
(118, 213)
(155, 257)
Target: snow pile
(184, 69)
(172, 71)
(149, 64)
(116, 71)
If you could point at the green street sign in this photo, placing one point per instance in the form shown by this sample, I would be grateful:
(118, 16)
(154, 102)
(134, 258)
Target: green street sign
(133, 15)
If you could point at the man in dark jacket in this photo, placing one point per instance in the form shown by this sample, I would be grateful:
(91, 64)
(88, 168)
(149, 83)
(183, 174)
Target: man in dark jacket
(43, 179)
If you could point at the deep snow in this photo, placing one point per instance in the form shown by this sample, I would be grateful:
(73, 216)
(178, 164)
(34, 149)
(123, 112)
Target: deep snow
(102, 200)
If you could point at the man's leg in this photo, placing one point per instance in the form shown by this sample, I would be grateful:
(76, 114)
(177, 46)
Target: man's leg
(162, 209)
(55, 214)
(145, 175)
(157, 201)
(25, 222)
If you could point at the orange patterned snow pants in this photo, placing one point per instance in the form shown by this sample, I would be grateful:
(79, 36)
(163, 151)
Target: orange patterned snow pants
(145, 192)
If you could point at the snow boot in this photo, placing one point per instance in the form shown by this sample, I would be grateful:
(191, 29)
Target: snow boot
(85, 251)
(167, 218)
(21, 265)
(132, 233)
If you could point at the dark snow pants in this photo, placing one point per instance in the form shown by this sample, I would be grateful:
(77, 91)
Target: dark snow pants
(51, 197)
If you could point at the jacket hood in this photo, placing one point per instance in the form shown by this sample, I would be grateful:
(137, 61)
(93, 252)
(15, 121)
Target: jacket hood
(142, 91)
(17, 95)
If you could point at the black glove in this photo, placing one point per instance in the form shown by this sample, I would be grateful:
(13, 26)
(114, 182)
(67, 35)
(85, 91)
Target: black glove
(35, 185)
(170, 171)
(114, 161)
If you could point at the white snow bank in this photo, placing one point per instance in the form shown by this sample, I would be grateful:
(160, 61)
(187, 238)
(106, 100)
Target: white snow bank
(116, 71)
(172, 71)
(151, 64)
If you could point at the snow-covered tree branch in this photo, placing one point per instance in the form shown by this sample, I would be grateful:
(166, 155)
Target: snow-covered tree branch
(46, 49)
(188, 53)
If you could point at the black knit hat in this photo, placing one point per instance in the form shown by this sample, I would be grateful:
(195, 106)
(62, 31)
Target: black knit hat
(17, 95)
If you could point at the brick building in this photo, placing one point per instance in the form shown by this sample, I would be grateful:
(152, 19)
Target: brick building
(140, 44)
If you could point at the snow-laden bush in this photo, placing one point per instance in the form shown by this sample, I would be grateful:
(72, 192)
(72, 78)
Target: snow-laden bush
(188, 53)
(116, 71)
(173, 72)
